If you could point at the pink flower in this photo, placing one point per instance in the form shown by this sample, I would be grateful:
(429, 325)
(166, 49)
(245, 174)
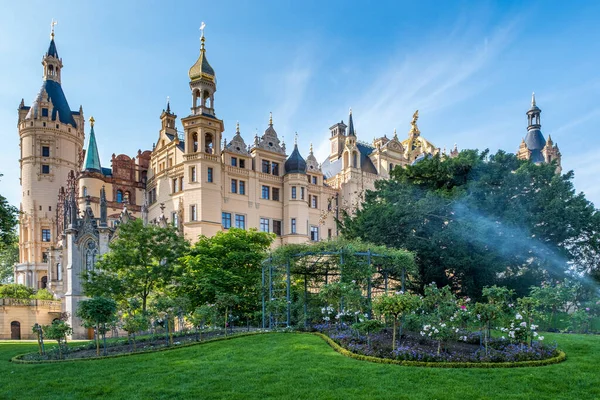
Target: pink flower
(463, 307)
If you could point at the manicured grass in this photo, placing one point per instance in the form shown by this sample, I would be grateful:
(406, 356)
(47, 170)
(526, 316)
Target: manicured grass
(294, 366)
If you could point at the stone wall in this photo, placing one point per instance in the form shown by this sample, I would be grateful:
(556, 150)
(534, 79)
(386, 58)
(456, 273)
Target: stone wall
(25, 312)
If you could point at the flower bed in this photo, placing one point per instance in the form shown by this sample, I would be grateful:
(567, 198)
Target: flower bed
(122, 347)
(413, 347)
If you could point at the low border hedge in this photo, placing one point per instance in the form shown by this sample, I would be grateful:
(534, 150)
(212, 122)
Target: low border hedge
(18, 359)
(517, 364)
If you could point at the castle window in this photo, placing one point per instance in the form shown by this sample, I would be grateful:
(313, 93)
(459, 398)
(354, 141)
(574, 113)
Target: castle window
(242, 163)
(90, 256)
(45, 235)
(314, 233)
(314, 202)
(193, 213)
(354, 160)
(175, 219)
(234, 161)
(240, 221)
(302, 193)
(293, 225)
(226, 220)
(45, 169)
(181, 183)
(44, 113)
(275, 169)
(242, 187)
(128, 197)
(208, 143)
(45, 257)
(195, 142)
(58, 272)
(265, 192)
(175, 190)
(314, 180)
(277, 227)
(275, 194)
(328, 233)
(45, 151)
(266, 166)
(193, 174)
(234, 186)
(119, 196)
(209, 175)
(85, 193)
(293, 192)
(264, 225)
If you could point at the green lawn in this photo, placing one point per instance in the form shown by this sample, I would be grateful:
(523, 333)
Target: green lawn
(294, 366)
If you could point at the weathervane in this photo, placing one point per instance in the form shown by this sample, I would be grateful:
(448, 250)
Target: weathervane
(52, 24)
(202, 26)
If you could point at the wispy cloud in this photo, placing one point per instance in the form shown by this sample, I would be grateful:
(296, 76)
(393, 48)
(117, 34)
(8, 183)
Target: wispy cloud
(431, 79)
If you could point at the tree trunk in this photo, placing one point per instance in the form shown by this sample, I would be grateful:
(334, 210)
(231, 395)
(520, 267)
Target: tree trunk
(394, 333)
(226, 313)
(97, 339)
(104, 337)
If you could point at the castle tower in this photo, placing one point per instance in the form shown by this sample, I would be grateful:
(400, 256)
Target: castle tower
(295, 199)
(534, 146)
(202, 154)
(51, 139)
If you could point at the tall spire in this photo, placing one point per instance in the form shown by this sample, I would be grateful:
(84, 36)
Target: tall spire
(52, 48)
(202, 69)
(351, 124)
(270, 118)
(92, 158)
(533, 99)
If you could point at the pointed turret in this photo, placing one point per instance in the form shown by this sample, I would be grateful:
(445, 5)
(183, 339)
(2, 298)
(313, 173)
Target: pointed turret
(351, 125)
(295, 164)
(203, 83)
(534, 139)
(92, 158)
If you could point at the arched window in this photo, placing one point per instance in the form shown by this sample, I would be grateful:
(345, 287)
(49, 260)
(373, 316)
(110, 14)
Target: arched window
(208, 143)
(90, 256)
(128, 197)
(58, 272)
(195, 142)
(355, 160)
(44, 284)
(50, 70)
(346, 161)
(85, 193)
(391, 167)
(119, 196)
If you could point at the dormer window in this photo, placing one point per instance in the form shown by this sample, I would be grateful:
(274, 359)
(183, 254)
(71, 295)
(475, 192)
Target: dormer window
(44, 112)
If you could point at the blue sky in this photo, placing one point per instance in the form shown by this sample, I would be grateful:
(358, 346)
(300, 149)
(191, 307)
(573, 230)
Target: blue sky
(469, 67)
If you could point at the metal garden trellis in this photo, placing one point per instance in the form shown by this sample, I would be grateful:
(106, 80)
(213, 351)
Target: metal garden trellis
(277, 281)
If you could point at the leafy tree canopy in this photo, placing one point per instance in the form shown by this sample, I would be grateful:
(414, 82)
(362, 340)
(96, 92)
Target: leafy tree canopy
(141, 262)
(225, 270)
(480, 220)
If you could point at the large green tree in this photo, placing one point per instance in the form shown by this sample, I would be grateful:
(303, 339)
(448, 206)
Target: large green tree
(477, 220)
(225, 270)
(8, 222)
(140, 263)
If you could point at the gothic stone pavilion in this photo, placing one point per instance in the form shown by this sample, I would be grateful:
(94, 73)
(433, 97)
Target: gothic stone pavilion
(193, 179)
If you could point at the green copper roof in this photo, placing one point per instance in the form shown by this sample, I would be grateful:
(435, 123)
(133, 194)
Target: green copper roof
(92, 158)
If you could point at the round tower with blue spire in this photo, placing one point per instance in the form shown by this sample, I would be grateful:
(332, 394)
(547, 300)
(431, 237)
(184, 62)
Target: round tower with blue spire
(51, 140)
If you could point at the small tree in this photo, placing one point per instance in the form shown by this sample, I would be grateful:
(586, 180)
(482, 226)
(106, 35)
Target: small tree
(37, 329)
(98, 311)
(200, 317)
(133, 323)
(396, 305)
(58, 331)
(367, 327)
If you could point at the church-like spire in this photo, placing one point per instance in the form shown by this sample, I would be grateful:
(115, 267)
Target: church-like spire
(52, 48)
(202, 69)
(351, 125)
(92, 158)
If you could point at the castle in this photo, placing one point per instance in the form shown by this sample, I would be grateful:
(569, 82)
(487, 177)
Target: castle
(192, 179)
